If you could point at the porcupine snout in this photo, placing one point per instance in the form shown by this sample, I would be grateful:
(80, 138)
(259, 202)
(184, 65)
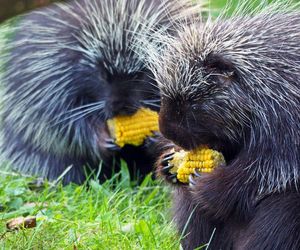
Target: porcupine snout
(173, 124)
(122, 107)
(122, 99)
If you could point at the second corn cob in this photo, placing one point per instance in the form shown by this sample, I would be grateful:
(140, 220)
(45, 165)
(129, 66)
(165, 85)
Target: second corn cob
(134, 129)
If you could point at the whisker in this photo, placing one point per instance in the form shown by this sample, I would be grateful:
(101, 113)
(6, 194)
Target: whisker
(80, 113)
(84, 106)
(151, 100)
(86, 114)
(152, 103)
(81, 108)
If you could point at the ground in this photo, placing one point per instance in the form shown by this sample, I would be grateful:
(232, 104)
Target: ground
(115, 215)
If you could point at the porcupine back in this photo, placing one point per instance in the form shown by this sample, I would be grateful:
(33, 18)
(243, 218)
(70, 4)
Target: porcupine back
(67, 69)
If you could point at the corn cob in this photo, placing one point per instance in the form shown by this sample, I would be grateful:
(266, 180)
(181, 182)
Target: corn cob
(201, 159)
(134, 129)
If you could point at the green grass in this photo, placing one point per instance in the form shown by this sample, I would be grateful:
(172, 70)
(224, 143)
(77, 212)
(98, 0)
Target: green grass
(114, 215)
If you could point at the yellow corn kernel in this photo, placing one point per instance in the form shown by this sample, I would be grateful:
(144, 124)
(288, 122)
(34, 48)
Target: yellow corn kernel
(203, 159)
(134, 129)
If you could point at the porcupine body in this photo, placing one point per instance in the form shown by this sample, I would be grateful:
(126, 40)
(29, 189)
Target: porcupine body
(234, 85)
(70, 67)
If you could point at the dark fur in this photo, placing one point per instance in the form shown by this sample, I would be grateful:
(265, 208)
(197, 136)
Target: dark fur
(249, 202)
(122, 91)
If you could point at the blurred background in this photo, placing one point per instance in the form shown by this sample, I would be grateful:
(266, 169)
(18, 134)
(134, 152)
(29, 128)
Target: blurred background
(10, 8)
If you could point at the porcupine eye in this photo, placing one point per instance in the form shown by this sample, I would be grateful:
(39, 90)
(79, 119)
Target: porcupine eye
(221, 69)
(220, 74)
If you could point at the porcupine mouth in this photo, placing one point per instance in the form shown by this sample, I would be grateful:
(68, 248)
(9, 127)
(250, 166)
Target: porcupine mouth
(193, 141)
(230, 153)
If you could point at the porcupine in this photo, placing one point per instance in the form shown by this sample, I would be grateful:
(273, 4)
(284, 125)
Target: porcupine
(70, 67)
(234, 85)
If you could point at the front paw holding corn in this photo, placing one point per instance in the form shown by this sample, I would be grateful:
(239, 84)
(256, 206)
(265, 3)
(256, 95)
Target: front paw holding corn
(183, 165)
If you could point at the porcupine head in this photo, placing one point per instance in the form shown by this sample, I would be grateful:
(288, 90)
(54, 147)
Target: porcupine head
(70, 67)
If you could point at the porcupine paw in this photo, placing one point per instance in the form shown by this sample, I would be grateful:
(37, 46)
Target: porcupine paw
(169, 167)
(156, 144)
(165, 168)
(152, 140)
(110, 144)
(192, 180)
(106, 143)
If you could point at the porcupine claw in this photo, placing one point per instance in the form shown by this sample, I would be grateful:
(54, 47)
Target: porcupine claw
(152, 139)
(193, 177)
(167, 166)
(110, 144)
(172, 178)
(197, 173)
(192, 181)
(166, 159)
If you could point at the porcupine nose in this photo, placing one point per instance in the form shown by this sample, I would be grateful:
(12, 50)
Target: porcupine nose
(168, 123)
(172, 125)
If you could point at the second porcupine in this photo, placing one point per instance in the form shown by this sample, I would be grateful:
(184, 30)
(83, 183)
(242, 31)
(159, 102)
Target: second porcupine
(70, 67)
(234, 85)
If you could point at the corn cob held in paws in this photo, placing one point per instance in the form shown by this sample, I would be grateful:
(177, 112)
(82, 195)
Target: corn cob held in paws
(202, 159)
(134, 129)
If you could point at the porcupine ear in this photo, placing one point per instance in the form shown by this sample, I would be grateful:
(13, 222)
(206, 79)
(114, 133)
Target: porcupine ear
(222, 67)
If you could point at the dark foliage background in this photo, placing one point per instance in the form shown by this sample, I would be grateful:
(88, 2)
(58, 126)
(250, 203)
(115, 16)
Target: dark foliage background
(10, 8)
